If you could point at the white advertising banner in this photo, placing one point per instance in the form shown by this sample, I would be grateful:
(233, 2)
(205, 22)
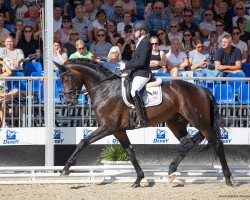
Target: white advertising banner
(73, 135)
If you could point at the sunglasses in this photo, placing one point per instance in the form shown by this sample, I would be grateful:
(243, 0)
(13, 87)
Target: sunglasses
(219, 25)
(236, 33)
(101, 35)
(161, 33)
(158, 8)
(27, 31)
(186, 35)
(187, 15)
(66, 21)
(200, 47)
(208, 14)
(173, 26)
(154, 44)
(128, 31)
(239, 8)
(74, 34)
(81, 48)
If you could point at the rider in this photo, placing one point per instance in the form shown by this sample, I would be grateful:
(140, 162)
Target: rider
(139, 66)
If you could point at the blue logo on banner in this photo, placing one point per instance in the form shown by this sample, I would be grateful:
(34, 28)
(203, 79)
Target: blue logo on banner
(225, 136)
(86, 133)
(11, 137)
(57, 137)
(160, 136)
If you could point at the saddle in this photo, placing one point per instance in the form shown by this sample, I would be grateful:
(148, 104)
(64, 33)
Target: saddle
(151, 94)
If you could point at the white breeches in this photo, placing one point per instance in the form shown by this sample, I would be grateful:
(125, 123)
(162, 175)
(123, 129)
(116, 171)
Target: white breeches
(138, 83)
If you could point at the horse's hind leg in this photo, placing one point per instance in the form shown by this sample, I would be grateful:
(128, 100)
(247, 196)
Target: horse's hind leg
(124, 141)
(94, 136)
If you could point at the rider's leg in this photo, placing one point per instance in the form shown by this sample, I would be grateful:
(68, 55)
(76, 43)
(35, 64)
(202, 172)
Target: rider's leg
(137, 84)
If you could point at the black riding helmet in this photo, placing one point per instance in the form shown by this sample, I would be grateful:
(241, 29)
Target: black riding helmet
(141, 25)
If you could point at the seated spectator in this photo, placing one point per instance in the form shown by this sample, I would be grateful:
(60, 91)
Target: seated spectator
(224, 15)
(81, 51)
(34, 14)
(90, 11)
(178, 12)
(126, 21)
(38, 34)
(100, 22)
(113, 36)
(220, 25)
(174, 31)
(5, 11)
(58, 56)
(158, 61)
(208, 25)
(169, 10)
(5, 96)
(164, 43)
(117, 15)
(100, 48)
(108, 7)
(228, 58)
(57, 36)
(176, 57)
(17, 34)
(29, 44)
(69, 8)
(216, 6)
(126, 44)
(57, 18)
(239, 10)
(236, 42)
(157, 19)
(65, 28)
(18, 9)
(12, 57)
(129, 6)
(198, 12)
(114, 60)
(3, 31)
(187, 42)
(70, 46)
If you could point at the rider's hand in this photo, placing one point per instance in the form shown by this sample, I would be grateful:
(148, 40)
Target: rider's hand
(122, 66)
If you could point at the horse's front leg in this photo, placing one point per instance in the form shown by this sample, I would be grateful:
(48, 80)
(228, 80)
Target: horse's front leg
(96, 135)
(124, 141)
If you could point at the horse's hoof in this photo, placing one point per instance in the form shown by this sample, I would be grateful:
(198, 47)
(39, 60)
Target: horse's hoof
(65, 173)
(229, 183)
(171, 177)
(136, 185)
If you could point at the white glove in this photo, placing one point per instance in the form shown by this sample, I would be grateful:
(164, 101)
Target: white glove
(122, 66)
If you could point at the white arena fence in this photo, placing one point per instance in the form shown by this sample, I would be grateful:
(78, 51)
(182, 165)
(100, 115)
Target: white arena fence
(121, 173)
(232, 96)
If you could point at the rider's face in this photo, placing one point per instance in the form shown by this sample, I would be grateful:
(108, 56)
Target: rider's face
(137, 33)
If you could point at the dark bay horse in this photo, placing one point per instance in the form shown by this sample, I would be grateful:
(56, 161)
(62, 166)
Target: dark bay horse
(182, 103)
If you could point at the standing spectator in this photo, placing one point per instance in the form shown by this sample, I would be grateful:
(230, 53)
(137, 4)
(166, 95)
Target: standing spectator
(83, 26)
(81, 51)
(113, 36)
(130, 6)
(5, 11)
(70, 46)
(12, 57)
(208, 25)
(239, 10)
(3, 31)
(176, 57)
(69, 8)
(57, 18)
(198, 12)
(114, 60)
(157, 19)
(188, 24)
(236, 42)
(164, 43)
(126, 21)
(108, 7)
(126, 44)
(100, 22)
(220, 25)
(5, 96)
(90, 11)
(187, 42)
(117, 15)
(228, 58)
(18, 9)
(100, 48)
(34, 15)
(174, 31)
(18, 30)
(224, 15)
(65, 28)
(28, 43)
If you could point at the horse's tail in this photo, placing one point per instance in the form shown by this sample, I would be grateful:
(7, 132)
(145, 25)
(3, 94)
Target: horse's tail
(214, 113)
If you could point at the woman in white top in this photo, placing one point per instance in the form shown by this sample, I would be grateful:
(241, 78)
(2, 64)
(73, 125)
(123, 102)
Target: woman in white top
(239, 10)
(100, 22)
(220, 25)
(236, 42)
(164, 43)
(126, 21)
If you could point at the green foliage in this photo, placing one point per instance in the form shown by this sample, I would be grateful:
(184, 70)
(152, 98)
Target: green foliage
(113, 153)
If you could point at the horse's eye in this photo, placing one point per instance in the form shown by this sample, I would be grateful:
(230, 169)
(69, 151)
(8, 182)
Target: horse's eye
(66, 80)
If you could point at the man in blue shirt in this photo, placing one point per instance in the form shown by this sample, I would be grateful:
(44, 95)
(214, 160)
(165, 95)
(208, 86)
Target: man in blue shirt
(228, 59)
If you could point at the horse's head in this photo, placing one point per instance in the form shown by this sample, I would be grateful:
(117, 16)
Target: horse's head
(72, 86)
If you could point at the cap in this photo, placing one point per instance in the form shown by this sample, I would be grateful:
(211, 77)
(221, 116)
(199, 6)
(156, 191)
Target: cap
(128, 28)
(118, 3)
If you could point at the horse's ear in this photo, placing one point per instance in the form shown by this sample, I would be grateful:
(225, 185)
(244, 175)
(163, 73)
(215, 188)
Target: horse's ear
(62, 68)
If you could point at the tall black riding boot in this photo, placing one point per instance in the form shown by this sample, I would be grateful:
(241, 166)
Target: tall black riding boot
(140, 110)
